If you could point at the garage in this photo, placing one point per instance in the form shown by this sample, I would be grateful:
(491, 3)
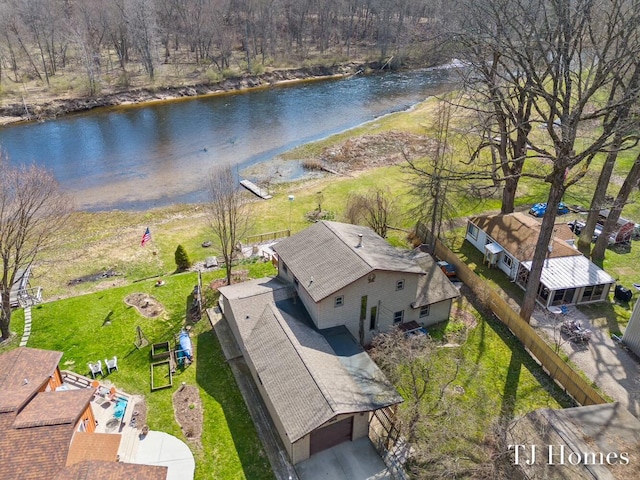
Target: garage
(331, 435)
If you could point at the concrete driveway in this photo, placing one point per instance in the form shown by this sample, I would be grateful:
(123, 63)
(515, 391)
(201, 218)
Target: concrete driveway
(357, 460)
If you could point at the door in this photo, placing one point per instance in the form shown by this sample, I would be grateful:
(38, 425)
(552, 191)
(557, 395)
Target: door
(331, 435)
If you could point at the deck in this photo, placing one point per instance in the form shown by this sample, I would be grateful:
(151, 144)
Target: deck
(103, 405)
(256, 190)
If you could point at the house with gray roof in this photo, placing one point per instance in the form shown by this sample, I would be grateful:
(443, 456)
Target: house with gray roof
(348, 275)
(302, 333)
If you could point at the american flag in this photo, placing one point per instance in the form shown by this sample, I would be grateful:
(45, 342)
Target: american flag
(145, 238)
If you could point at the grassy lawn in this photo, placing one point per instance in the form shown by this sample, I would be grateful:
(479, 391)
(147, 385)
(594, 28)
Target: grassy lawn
(498, 377)
(497, 380)
(99, 325)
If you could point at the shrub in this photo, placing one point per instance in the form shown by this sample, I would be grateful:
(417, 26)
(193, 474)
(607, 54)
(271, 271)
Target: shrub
(182, 259)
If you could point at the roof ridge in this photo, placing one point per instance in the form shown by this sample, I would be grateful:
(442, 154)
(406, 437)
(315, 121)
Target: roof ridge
(354, 249)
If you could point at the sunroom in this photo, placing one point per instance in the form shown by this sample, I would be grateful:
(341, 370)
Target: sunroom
(568, 281)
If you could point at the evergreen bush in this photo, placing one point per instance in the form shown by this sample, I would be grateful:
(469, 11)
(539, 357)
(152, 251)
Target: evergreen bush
(182, 259)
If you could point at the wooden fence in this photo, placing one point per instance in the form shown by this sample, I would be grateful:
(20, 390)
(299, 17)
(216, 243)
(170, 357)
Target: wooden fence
(557, 368)
(266, 237)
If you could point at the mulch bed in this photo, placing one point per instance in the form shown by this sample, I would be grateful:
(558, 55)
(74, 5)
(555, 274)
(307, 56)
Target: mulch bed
(146, 304)
(187, 407)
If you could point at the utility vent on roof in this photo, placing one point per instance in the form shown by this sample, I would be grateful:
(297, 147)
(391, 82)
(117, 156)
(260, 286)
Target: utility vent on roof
(359, 240)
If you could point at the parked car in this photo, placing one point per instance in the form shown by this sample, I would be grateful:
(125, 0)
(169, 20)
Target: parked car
(448, 269)
(539, 209)
(576, 227)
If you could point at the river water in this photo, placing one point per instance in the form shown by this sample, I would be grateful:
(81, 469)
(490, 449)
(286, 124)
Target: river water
(144, 156)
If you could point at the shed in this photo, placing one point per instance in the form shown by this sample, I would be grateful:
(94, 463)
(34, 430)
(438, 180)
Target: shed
(631, 337)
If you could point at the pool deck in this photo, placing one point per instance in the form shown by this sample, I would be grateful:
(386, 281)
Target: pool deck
(103, 406)
(155, 448)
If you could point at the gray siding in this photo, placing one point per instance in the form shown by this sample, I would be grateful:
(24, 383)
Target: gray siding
(631, 337)
(381, 293)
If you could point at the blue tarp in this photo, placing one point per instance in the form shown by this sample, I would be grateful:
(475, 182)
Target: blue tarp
(185, 347)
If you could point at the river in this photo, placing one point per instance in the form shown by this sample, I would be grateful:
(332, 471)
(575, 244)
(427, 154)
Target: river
(139, 157)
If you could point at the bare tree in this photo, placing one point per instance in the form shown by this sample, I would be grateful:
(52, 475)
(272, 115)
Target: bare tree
(626, 87)
(620, 201)
(432, 179)
(33, 209)
(229, 213)
(570, 52)
(406, 361)
(375, 209)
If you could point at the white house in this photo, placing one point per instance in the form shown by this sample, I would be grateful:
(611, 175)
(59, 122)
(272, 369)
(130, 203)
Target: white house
(631, 337)
(508, 243)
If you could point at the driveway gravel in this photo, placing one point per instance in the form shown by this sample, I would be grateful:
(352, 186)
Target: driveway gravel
(603, 360)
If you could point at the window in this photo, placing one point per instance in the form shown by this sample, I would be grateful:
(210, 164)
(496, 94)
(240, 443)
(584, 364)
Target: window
(398, 317)
(339, 301)
(472, 230)
(507, 260)
(424, 311)
(400, 285)
(373, 316)
(592, 292)
(284, 267)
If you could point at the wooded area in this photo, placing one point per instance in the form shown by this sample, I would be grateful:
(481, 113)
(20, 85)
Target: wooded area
(114, 39)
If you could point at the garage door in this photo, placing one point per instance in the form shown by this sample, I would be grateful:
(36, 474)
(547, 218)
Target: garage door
(331, 435)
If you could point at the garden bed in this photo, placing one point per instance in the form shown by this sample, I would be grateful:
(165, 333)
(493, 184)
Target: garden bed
(161, 376)
(160, 351)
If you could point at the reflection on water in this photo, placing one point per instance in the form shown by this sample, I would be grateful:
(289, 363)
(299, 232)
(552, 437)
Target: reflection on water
(160, 154)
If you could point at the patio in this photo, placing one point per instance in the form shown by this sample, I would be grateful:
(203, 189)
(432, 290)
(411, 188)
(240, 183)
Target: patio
(113, 410)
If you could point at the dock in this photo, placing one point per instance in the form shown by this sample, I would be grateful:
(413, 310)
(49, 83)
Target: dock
(253, 188)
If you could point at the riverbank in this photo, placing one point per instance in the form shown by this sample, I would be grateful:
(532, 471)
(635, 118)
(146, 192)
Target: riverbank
(45, 109)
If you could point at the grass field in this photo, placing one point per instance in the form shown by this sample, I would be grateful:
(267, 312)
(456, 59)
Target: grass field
(100, 325)
(497, 375)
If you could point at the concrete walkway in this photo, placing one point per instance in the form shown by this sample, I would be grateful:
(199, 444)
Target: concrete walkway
(27, 327)
(159, 448)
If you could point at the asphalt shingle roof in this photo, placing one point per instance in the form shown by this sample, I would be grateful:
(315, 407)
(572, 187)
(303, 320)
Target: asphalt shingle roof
(433, 286)
(23, 371)
(329, 256)
(54, 408)
(518, 234)
(92, 470)
(305, 380)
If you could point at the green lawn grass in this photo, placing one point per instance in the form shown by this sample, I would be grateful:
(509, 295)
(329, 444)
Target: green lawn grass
(100, 325)
(496, 375)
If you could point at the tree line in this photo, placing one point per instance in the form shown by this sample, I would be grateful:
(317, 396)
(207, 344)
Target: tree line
(38, 38)
(550, 91)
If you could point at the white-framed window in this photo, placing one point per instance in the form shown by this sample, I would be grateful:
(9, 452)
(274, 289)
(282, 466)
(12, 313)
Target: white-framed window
(339, 301)
(398, 317)
(424, 311)
(472, 230)
(400, 285)
(507, 260)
